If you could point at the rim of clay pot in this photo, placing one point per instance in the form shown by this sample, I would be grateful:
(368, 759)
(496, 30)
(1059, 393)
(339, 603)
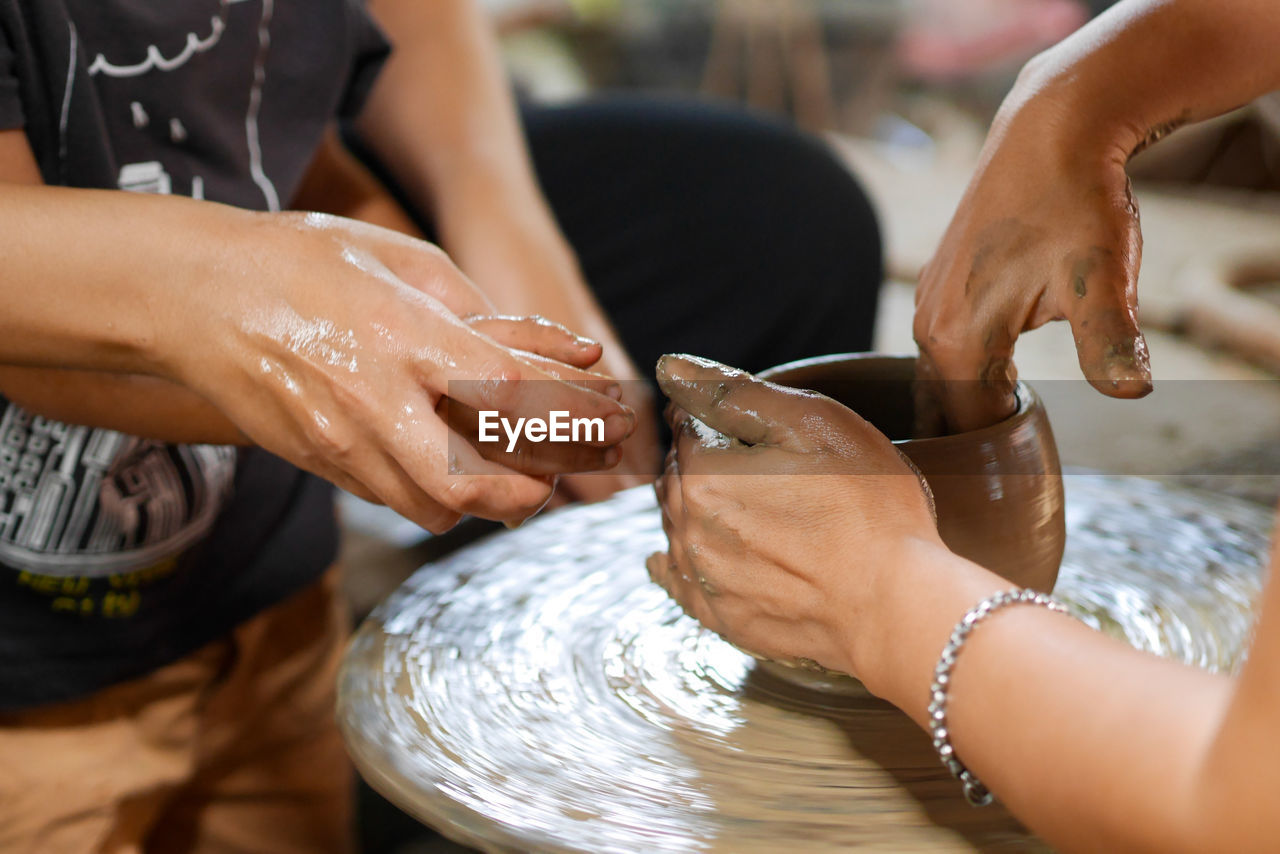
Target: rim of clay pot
(1025, 395)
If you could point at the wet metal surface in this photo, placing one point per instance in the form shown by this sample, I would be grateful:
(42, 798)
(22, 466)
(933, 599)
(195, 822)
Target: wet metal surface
(536, 692)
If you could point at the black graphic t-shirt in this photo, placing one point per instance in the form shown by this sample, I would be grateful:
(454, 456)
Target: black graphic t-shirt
(119, 554)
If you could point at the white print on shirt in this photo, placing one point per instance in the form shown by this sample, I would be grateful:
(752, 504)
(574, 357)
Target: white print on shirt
(85, 502)
(88, 502)
(154, 61)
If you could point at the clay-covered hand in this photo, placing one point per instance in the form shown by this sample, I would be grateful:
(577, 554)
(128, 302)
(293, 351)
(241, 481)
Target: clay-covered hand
(331, 343)
(784, 511)
(1045, 231)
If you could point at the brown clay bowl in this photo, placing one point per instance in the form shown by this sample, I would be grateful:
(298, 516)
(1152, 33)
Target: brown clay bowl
(998, 490)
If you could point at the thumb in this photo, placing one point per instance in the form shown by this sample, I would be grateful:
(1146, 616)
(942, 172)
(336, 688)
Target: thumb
(728, 400)
(1102, 308)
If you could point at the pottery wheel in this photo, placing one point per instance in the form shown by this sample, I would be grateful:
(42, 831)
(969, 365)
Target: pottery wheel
(536, 692)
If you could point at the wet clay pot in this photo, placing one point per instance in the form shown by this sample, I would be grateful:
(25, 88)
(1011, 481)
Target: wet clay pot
(998, 490)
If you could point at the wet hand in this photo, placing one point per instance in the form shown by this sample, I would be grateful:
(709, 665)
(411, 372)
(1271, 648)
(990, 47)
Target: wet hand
(641, 454)
(512, 248)
(331, 344)
(784, 513)
(1040, 235)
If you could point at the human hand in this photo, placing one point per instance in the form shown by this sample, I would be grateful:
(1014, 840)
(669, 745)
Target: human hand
(641, 457)
(331, 343)
(1044, 232)
(785, 513)
(513, 250)
(565, 356)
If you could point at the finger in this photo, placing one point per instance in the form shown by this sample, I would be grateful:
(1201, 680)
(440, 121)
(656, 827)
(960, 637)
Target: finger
(443, 465)
(558, 499)
(693, 599)
(671, 505)
(698, 449)
(541, 336)
(659, 566)
(591, 487)
(684, 438)
(498, 380)
(675, 525)
(667, 574)
(523, 455)
(699, 453)
(357, 460)
(667, 489)
(354, 487)
(965, 374)
(660, 485)
(477, 487)
(726, 399)
(579, 377)
(385, 482)
(1102, 309)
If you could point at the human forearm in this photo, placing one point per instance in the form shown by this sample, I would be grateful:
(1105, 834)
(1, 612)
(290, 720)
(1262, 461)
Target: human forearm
(73, 296)
(1146, 67)
(143, 406)
(138, 405)
(1094, 745)
(443, 118)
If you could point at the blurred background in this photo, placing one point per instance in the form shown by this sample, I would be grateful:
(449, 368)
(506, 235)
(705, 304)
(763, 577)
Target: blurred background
(904, 91)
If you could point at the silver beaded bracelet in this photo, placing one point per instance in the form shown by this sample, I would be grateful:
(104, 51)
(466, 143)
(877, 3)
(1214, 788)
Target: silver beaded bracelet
(974, 791)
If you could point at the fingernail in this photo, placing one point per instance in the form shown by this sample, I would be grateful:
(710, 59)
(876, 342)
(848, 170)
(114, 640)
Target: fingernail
(662, 372)
(584, 342)
(667, 361)
(614, 390)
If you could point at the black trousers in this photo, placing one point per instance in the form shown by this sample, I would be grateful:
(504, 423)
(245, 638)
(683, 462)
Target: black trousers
(709, 230)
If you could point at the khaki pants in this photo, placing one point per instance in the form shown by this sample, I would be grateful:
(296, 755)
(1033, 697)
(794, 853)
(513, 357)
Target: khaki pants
(232, 749)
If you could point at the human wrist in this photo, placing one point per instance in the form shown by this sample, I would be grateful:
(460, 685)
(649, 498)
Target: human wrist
(201, 310)
(1065, 104)
(923, 590)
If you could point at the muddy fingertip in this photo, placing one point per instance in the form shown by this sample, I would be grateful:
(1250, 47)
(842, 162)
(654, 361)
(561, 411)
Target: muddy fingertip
(1127, 373)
